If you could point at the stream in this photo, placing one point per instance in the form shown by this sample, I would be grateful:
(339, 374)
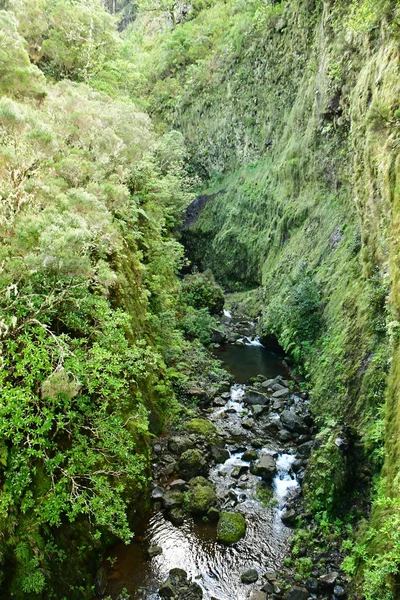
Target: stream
(192, 546)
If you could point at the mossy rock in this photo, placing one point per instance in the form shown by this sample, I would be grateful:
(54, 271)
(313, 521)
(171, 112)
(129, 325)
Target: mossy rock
(192, 463)
(231, 527)
(201, 427)
(201, 495)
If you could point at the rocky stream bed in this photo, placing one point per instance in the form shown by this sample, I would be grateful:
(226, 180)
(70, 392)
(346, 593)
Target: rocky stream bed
(227, 491)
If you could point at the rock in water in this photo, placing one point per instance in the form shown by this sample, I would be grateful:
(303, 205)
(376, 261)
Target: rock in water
(231, 527)
(252, 397)
(201, 495)
(249, 576)
(265, 467)
(179, 586)
(154, 551)
(293, 422)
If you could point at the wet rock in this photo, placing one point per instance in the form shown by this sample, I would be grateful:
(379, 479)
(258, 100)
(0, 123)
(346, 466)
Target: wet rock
(226, 396)
(289, 517)
(157, 493)
(312, 585)
(250, 455)
(218, 336)
(198, 394)
(257, 444)
(178, 444)
(249, 576)
(293, 422)
(296, 593)
(220, 455)
(327, 582)
(172, 498)
(176, 516)
(180, 587)
(157, 448)
(265, 467)
(304, 450)
(154, 551)
(281, 393)
(192, 463)
(248, 423)
(219, 401)
(179, 484)
(231, 527)
(339, 591)
(201, 495)
(213, 513)
(257, 595)
(267, 588)
(239, 471)
(253, 397)
(284, 436)
(258, 409)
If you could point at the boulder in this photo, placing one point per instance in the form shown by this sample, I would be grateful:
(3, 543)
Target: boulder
(253, 397)
(201, 495)
(304, 450)
(258, 595)
(218, 336)
(312, 585)
(250, 455)
(293, 422)
(179, 443)
(220, 455)
(179, 586)
(239, 471)
(249, 576)
(172, 498)
(179, 484)
(339, 591)
(157, 494)
(192, 463)
(213, 513)
(327, 582)
(231, 527)
(248, 423)
(297, 593)
(201, 427)
(154, 551)
(289, 517)
(281, 393)
(176, 516)
(265, 467)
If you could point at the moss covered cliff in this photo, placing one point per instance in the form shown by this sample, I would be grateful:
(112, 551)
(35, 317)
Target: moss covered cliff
(291, 112)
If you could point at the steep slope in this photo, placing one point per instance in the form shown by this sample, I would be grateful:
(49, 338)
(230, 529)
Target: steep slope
(291, 112)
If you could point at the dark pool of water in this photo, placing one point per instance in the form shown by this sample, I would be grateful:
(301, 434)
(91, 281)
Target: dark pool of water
(248, 361)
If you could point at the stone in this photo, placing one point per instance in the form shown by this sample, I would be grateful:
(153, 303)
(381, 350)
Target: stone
(281, 393)
(226, 396)
(176, 516)
(101, 581)
(249, 576)
(179, 586)
(154, 551)
(172, 498)
(157, 494)
(267, 588)
(231, 527)
(178, 444)
(253, 397)
(296, 593)
(265, 467)
(327, 582)
(293, 422)
(339, 591)
(217, 336)
(219, 401)
(304, 450)
(239, 471)
(257, 595)
(289, 517)
(268, 384)
(213, 513)
(192, 463)
(284, 436)
(248, 423)
(220, 455)
(201, 495)
(179, 484)
(258, 409)
(257, 444)
(201, 427)
(249, 456)
(312, 585)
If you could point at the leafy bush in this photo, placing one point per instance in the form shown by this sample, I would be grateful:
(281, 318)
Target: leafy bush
(201, 291)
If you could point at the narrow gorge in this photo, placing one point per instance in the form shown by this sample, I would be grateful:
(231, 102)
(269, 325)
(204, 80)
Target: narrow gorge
(199, 299)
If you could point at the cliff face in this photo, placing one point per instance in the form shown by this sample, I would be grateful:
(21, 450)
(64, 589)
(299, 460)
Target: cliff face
(292, 110)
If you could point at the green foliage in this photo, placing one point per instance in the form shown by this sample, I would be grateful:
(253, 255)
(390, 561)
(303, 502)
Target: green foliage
(201, 291)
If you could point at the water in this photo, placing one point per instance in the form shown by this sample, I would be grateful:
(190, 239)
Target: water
(250, 360)
(193, 546)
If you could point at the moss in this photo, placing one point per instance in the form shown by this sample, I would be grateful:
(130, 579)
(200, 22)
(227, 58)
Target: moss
(201, 495)
(201, 427)
(231, 527)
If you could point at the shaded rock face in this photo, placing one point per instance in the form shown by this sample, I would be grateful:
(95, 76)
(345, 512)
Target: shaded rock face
(179, 586)
(265, 467)
(231, 527)
(192, 463)
(293, 422)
